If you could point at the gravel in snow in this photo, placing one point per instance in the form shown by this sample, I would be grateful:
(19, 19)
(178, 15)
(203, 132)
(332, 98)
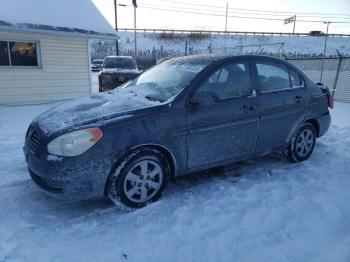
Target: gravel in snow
(264, 209)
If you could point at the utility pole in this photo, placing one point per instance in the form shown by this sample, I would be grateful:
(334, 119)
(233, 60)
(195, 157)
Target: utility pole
(226, 17)
(116, 26)
(324, 49)
(295, 19)
(325, 41)
(115, 15)
(226, 26)
(135, 37)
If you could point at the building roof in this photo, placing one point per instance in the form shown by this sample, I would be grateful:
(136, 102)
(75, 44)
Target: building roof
(80, 17)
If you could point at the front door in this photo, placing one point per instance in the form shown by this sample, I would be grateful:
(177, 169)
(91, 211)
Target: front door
(223, 126)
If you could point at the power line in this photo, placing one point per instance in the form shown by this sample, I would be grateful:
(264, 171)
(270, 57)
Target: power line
(238, 12)
(243, 17)
(257, 10)
(312, 25)
(208, 14)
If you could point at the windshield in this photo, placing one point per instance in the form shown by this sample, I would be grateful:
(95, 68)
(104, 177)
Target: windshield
(119, 62)
(165, 80)
(97, 62)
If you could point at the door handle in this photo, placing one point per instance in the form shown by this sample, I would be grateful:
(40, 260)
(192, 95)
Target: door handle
(298, 99)
(246, 108)
(252, 108)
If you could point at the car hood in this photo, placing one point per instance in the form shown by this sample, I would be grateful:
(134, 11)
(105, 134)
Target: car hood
(94, 110)
(120, 70)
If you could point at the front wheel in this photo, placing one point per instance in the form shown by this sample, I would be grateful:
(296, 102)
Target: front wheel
(140, 178)
(303, 144)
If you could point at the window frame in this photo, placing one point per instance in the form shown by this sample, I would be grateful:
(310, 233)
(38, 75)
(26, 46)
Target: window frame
(8, 53)
(38, 54)
(218, 67)
(301, 79)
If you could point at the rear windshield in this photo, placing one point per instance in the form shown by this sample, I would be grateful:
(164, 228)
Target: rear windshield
(119, 62)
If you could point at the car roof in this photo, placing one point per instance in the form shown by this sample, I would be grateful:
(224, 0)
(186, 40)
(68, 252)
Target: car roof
(214, 58)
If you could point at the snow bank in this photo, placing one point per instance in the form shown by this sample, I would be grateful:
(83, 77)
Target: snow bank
(259, 210)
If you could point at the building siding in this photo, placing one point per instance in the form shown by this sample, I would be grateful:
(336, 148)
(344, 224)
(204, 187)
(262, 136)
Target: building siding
(64, 73)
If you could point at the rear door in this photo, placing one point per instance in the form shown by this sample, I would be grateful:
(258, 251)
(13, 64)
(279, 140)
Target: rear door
(282, 99)
(226, 128)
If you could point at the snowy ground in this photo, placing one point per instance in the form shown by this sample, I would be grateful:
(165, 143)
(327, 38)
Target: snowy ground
(259, 210)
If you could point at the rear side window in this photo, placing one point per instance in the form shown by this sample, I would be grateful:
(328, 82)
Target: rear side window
(229, 81)
(272, 76)
(295, 79)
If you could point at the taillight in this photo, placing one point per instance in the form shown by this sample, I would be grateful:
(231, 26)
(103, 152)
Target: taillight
(326, 91)
(330, 100)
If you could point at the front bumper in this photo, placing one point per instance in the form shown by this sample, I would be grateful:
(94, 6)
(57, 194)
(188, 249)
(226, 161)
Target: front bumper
(70, 178)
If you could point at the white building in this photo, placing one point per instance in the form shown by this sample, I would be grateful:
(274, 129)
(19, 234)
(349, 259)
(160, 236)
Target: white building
(44, 49)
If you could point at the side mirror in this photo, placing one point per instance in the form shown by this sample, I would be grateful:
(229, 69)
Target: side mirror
(204, 98)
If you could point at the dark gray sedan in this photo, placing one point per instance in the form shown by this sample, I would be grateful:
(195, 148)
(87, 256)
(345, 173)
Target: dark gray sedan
(183, 115)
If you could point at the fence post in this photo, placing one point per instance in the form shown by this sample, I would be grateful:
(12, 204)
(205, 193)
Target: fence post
(337, 74)
(186, 48)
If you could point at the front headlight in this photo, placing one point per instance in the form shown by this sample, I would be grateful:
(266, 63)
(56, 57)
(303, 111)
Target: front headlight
(74, 143)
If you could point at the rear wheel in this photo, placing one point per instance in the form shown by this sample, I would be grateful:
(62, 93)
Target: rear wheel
(139, 179)
(303, 144)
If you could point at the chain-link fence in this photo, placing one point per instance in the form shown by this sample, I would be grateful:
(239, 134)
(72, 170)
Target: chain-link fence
(334, 72)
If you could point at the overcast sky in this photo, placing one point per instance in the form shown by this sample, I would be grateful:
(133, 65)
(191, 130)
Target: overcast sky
(150, 18)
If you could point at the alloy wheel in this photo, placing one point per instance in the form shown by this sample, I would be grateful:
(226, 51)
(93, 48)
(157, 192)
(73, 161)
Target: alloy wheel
(143, 181)
(304, 142)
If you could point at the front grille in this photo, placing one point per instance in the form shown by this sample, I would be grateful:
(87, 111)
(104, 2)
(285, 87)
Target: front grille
(114, 80)
(33, 140)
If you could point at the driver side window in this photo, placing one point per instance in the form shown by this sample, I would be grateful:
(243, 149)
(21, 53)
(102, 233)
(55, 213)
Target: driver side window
(230, 81)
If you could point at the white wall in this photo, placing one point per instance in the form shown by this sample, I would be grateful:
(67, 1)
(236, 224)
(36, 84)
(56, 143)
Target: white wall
(64, 74)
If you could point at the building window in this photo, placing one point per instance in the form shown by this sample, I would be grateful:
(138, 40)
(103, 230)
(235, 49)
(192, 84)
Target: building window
(19, 54)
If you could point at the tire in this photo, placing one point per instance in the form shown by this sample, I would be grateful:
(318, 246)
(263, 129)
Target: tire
(139, 178)
(302, 144)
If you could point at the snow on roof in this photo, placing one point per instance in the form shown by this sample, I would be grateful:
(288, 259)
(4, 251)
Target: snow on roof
(80, 16)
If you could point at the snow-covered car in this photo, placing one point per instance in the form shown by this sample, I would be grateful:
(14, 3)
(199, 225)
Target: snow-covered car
(183, 115)
(96, 65)
(117, 70)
